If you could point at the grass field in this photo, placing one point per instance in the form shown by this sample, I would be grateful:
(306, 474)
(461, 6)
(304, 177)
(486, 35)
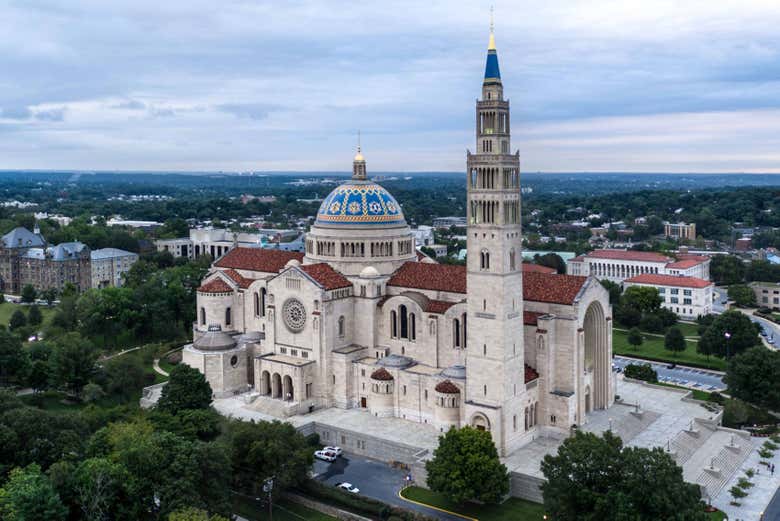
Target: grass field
(653, 349)
(7, 309)
(688, 329)
(283, 511)
(513, 509)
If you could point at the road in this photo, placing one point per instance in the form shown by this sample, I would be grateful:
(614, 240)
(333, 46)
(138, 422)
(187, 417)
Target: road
(772, 512)
(375, 479)
(702, 379)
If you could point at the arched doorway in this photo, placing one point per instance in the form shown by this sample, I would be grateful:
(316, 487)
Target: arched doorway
(289, 393)
(276, 386)
(596, 357)
(265, 383)
(480, 422)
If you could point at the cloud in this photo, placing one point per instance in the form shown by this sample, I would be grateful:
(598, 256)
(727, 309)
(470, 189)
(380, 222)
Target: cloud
(130, 105)
(16, 113)
(53, 114)
(257, 111)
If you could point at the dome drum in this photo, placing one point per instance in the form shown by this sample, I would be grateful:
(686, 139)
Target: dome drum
(360, 204)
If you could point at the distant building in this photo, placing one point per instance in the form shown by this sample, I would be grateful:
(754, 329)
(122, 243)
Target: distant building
(688, 297)
(680, 230)
(767, 294)
(619, 265)
(218, 241)
(423, 235)
(743, 244)
(145, 225)
(109, 266)
(447, 222)
(26, 259)
(439, 249)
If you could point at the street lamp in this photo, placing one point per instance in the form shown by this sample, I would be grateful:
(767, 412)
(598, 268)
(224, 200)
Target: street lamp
(268, 488)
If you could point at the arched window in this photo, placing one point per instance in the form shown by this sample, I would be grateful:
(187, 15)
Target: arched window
(412, 327)
(202, 316)
(393, 324)
(257, 304)
(404, 321)
(463, 334)
(512, 259)
(484, 260)
(341, 326)
(455, 333)
(263, 294)
(228, 317)
(526, 418)
(536, 413)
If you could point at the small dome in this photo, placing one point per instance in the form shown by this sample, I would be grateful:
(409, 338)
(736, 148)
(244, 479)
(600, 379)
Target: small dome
(292, 262)
(447, 387)
(369, 272)
(360, 203)
(214, 341)
(456, 371)
(381, 374)
(397, 361)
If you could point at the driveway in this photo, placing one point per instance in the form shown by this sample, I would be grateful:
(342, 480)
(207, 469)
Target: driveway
(702, 379)
(375, 479)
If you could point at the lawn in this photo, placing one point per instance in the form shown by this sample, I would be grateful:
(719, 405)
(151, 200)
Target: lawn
(689, 329)
(283, 510)
(513, 509)
(7, 309)
(653, 349)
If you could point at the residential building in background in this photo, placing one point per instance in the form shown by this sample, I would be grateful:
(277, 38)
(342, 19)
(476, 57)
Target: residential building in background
(767, 294)
(680, 230)
(447, 222)
(688, 297)
(218, 241)
(109, 266)
(423, 235)
(619, 265)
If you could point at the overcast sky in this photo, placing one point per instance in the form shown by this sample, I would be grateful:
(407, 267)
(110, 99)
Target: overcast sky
(628, 86)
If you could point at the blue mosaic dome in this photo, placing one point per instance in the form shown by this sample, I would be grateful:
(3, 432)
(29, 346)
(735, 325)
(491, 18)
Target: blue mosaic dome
(360, 203)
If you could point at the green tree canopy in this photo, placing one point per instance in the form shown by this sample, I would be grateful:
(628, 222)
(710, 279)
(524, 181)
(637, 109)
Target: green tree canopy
(729, 333)
(125, 376)
(18, 320)
(643, 298)
(635, 337)
(593, 478)
(72, 362)
(674, 340)
(34, 316)
(465, 467)
(727, 269)
(187, 388)
(194, 514)
(742, 295)
(29, 294)
(753, 376)
(29, 496)
(13, 359)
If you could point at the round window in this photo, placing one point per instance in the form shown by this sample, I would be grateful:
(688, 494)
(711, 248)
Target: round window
(294, 314)
(234, 361)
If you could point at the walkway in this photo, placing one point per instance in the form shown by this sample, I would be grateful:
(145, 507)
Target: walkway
(158, 369)
(120, 353)
(759, 496)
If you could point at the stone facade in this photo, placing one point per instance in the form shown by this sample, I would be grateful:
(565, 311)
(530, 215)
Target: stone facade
(360, 321)
(688, 297)
(109, 265)
(619, 265)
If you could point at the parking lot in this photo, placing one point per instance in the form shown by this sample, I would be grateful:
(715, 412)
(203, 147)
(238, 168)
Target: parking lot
(701, 379)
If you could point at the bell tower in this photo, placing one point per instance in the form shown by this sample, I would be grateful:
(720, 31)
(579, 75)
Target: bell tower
(494, 355)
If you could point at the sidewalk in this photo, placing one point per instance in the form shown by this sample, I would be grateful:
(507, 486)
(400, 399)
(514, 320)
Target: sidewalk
(759, 495)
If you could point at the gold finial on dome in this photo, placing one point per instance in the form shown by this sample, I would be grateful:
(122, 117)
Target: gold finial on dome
(359, 155)
(492, 41)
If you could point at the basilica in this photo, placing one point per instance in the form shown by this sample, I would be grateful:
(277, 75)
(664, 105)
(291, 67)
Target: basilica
(362, 320)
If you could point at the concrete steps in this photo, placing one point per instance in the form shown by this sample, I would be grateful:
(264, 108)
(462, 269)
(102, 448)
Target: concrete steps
(687, 442)
(716, 461)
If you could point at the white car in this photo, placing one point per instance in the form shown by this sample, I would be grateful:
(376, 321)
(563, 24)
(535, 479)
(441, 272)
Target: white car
(324, 455)
(335, 450)
(349, 487)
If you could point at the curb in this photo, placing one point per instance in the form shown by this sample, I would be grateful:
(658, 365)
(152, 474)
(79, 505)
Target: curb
(434, 508)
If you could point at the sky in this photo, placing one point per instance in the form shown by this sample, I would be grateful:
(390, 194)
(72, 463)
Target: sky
(594, 85)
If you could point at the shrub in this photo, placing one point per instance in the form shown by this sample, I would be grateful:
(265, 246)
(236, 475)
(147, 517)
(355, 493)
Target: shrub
(652, 323)
(716, 397)
(744, 483)
(769, 445)
(750, 473)
(764, 453)
(641, 372)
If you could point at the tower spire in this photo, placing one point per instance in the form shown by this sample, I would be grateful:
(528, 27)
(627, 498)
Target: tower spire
(492, 41)
(359, 164)
(492, 72)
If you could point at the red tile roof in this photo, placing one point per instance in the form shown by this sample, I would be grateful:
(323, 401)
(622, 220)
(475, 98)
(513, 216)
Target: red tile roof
(437, 277)
(631, 255)
(438, 306)
(530, 374)
(215, 285)
(670, 280)
(537, 268)
(257, 259)
(578, 258)
(381, 374)
(326, 275)
(239, 279)
(530, 318)
(447, 387)
(555, 289)
(692, 256)
(683, 264)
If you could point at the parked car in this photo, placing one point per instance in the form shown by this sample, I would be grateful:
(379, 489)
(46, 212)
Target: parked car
(671, 366)
(324, 455)
(335, 450)
(349, 487)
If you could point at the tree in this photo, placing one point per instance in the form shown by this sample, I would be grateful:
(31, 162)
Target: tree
(644, 298)
(29, 294)
(49, 295)
(551, 260)
(465, 467)
(628, 315)
(34, 317)
(38, 378)
(105, 313)
(187, 388)
(18, 320)
(635, 337)
(29, 496)
(753, 376)
(125, 376)
(13, 359)
(674, 340)
(651, 323)
(72, 362)
(100, 487)
(194, 514)
(92, 392)
(726, 269)
(742, 295)
(593, 478)
(614, 291)
(641, 372)
(729, 333)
